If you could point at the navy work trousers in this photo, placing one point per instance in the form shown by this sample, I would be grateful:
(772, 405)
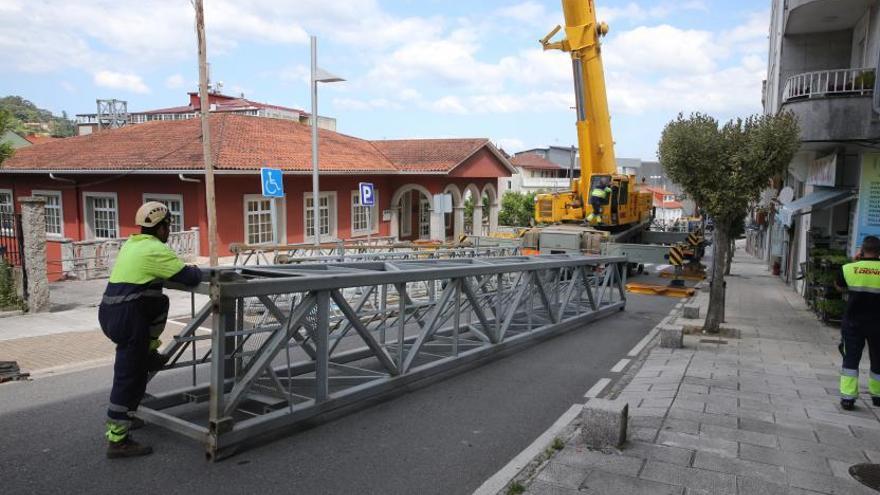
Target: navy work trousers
(129, 326)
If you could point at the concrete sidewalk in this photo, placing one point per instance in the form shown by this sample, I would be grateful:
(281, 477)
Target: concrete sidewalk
(753, 411)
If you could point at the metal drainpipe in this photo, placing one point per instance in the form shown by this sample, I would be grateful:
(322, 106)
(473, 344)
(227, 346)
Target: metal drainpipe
(61, 179)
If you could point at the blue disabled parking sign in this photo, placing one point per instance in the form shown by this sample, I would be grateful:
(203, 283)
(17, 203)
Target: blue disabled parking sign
(367, 196)
(273, 182)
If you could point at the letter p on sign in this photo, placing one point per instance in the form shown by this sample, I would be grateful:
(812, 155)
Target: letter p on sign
(367, 196)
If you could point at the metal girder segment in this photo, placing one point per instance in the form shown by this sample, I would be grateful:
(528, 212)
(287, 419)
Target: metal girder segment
(573, 282)
(322, 360)
(514, 306)
(223, 316)
(603, 286)
(269, 350)
(621, 281)
(477, 309)
(365, 334)
(343, 400)
(281, 317)
(428, 329)
(173, 423)
(358, 306)
(588, 287)
(545, 300)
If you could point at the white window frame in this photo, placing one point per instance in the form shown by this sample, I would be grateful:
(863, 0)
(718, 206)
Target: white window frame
(57, 194)
(374, 212)
(169, 197)
(406, 214)
(332, 215)
(11, 206)
(424, 227)
(89, 214)
(277, 208)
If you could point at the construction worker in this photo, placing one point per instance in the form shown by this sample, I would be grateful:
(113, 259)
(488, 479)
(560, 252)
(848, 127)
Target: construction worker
(132, 314)
(862, 282)
(598, 197)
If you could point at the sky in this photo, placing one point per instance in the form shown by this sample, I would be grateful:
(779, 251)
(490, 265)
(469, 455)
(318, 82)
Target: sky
(413, 68)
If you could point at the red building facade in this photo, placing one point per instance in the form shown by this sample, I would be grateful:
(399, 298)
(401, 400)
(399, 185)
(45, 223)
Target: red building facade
(94, 183)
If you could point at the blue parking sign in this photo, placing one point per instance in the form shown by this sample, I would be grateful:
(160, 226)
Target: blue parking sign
(367, 196)
(273, 182)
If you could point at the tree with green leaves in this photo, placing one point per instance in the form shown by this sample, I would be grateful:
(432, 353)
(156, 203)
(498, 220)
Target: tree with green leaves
(724, 169)
(5, 125)
(517, 209)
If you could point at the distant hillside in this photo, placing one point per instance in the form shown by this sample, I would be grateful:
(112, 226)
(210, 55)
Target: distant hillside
(28, 118)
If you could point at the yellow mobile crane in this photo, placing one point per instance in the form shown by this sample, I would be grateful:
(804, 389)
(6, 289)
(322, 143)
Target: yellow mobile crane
(626, 207)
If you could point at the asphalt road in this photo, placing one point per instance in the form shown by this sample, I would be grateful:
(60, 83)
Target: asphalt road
(446, 438)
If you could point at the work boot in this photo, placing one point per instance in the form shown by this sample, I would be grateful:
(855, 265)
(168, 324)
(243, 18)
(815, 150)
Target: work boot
(136, 423)
(156, 361)
(848, 404)
(127, 448)
(875, 401)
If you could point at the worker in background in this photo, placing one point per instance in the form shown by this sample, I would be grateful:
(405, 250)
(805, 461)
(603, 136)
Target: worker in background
(862, 282)
(132, 314)
(598, 197)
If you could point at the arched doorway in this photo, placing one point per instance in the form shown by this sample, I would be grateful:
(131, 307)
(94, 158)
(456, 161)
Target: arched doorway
(453, 222)
(412, 206)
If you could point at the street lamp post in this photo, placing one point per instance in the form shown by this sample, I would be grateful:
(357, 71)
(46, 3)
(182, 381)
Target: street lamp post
(317, 75)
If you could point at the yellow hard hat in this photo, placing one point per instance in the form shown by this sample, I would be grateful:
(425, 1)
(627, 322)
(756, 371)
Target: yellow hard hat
(151, 214)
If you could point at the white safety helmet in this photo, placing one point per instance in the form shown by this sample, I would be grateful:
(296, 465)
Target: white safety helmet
(151, 214)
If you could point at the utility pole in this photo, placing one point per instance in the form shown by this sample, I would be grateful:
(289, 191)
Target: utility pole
(316, 189)
(206, 133)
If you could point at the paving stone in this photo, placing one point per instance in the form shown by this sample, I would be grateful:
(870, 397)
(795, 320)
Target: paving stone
(831, 485)
(691, 405)
(544, 488)
(742, 467)
(737, 435)
(749, 485)
(665, 453)
(645, 421)
(563, 475)
(778, 457)
(824, 450)
(779, 429)
(602, 483)
(701, 443)
(585, 459)
(643, 434)
(698, 479)
(681, 426)
(840, 468)
(656, 402)
(712, 419)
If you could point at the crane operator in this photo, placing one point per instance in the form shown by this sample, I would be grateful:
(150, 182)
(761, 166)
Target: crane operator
(132, 314)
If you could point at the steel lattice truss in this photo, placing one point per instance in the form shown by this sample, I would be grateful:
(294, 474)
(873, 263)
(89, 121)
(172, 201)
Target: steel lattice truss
(294, 343)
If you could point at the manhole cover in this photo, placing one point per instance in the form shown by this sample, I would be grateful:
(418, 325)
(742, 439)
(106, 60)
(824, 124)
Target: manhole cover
(712, 341)
(866, 474)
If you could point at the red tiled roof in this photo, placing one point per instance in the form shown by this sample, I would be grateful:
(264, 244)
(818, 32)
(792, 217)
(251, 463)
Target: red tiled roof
(37, 139)
(437, 155)
(533, 161)
(239, 142)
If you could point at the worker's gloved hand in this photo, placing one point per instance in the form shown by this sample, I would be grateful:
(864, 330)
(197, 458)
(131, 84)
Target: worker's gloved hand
(156, 361)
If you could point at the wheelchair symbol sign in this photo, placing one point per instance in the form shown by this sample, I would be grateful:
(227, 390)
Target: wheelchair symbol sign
(367, 196)
(273, 182)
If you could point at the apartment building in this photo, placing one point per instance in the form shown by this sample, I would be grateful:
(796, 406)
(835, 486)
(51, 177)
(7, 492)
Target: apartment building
(822, 64)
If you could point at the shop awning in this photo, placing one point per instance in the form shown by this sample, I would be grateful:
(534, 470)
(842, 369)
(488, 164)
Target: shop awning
(817, 200)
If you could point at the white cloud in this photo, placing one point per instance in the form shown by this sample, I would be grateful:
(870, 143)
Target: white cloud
(174, 81)
(664, 48)
(67, 86)
(124, 81)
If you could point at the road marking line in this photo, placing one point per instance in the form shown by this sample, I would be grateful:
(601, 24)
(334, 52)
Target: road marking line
(642, 343)
(500, 479)
(597, 389)
(620, 366)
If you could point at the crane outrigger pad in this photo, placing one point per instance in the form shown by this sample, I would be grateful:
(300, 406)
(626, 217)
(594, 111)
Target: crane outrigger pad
(660, 290)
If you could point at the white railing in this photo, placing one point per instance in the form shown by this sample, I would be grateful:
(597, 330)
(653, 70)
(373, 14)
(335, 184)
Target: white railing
(87, 260)
(548, 183)
(829, 83)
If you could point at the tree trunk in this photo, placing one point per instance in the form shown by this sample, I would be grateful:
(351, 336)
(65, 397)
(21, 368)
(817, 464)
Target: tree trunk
(730, 252)
(715, 313)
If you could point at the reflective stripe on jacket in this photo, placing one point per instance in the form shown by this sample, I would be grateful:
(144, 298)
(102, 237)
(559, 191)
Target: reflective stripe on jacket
(601, 193)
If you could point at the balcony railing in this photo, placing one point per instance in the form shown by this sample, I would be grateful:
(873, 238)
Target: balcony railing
(546, 182)
(829, 83)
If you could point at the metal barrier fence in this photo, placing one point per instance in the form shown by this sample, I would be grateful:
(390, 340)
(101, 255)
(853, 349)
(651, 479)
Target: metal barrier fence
(11, 239)
(305, 342)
